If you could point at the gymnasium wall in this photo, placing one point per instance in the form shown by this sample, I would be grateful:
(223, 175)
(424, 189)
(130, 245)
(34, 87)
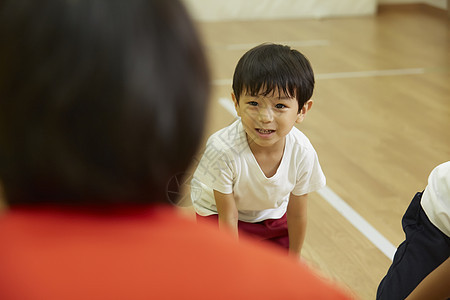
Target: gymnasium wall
(224, 10)
(443, 4)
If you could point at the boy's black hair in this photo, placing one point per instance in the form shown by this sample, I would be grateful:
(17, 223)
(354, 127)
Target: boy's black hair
(269, 67)
(101, 101)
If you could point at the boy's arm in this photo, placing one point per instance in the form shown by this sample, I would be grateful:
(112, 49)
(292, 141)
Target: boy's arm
(296, 221)
(227, 210)
(435, 285)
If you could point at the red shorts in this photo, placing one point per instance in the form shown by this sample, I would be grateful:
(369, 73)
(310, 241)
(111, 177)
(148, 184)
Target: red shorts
(271, 230)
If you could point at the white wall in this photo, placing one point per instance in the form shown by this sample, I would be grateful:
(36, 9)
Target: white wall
(220, 10)
(223, 10)
(443, 4)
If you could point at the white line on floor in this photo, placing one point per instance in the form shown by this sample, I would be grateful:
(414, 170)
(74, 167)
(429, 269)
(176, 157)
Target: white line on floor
(374, 73)
(360, 74)
(228, 105)
(227, 82)
(341, 206)
(358, 222)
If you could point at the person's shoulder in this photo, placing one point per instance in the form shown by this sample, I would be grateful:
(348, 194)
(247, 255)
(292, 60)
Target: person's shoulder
(438, 188)
(228, 137)
(441, 174)
(298, 135)
(297, 139)
(435, 197)
(439, 183)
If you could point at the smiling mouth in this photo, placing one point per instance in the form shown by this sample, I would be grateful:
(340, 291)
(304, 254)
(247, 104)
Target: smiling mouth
(264, 131)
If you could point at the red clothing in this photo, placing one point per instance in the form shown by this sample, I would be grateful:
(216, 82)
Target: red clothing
(271, 230)
(151, 253)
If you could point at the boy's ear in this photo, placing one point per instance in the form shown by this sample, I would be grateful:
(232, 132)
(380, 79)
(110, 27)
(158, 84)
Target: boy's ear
(236, 104)
(301, 115)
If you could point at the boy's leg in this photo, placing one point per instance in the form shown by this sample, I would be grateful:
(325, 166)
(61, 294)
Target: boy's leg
(271, 230)
(425, 248)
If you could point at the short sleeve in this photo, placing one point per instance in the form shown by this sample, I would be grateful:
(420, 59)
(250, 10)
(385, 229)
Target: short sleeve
(436, 197)
(310, 177)
(215, 168)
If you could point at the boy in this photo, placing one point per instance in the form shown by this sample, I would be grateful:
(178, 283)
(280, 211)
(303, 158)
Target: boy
(255, 175)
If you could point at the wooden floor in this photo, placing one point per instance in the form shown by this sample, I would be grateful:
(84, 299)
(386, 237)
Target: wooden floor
(380, 122)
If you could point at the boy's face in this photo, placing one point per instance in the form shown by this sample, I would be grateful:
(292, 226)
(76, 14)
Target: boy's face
(268, 119)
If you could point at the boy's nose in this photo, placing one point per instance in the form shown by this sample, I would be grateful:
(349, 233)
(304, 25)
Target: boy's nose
(265, 115)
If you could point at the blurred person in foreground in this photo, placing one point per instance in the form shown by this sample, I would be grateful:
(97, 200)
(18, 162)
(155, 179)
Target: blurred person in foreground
(101, 103)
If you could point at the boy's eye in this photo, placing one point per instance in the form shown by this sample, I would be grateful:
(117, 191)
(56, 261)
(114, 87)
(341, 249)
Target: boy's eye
(252, 103)
(280, 106)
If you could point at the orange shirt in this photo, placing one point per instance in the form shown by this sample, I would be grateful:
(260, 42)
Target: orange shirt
(141, 253)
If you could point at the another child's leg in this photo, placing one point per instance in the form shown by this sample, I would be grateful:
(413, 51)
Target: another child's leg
(425, 248)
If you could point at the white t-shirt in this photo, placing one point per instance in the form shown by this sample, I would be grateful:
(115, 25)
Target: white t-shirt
(228, 166)
(436, 198)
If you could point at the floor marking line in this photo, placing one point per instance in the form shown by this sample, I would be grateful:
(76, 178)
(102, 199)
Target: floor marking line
(373, 235)
(227, 82)
(373, 73)
(228, 105)
(358, 74)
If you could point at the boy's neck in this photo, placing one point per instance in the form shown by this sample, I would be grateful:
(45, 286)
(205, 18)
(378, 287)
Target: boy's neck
(268, 158)
(275, 149)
